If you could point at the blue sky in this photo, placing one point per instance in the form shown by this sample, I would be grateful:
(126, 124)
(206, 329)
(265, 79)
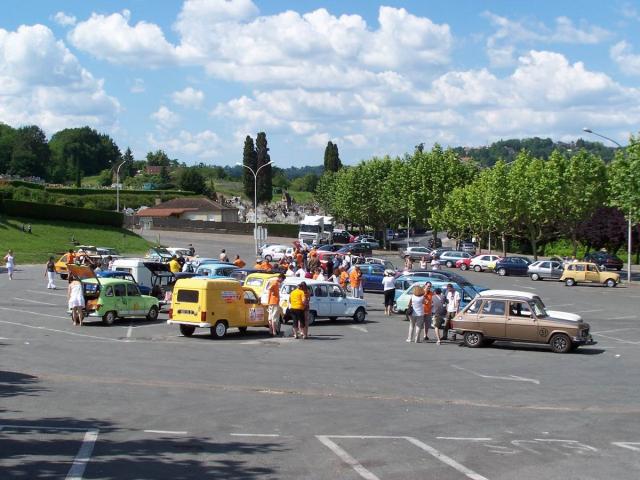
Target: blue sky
(194, 77)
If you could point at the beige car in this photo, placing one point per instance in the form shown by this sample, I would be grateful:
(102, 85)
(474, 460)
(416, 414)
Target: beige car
(519, 317)
(586, 272)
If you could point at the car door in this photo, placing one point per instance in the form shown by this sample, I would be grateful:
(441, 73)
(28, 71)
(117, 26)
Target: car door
(120, 304)
(376, 275)
(135, 301)
(492, 318)
(556, 270)
(580, 275)
(544, 269)
(254, 312)
(521, 323)
(592, 274)
(322, 302)
(337, 300)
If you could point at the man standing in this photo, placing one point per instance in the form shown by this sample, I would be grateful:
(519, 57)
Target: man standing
(174, 265)
(296, 308)
(428, 309)
(453, 304)
(50, 273)
(238, 262)
(438, 311)
(355, 279)
(273, 303)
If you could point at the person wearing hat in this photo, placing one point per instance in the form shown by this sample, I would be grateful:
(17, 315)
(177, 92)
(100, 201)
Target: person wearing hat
(389, 288)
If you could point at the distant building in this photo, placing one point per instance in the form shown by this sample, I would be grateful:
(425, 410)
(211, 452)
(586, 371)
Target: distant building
(192, 208)
(153, 169)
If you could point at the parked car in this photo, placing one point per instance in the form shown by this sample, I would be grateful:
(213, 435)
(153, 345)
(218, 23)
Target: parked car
(329, 247)
(274, 252)
(481, 262)
(586, 272)
(355, 249)
(450, 257)
(439, 251)
(416, 253)
(402, 302)
(604, 260)
(372, 274)
(381, 261)
(545, 269)
(144, 290)
(513, 316)
(215, 270)
(342, 236)
(327, 300)
(258, 281)
(512, 266)
(468, 247)
(241, 274)
(367, 239)
(405, 280)
(158, 254)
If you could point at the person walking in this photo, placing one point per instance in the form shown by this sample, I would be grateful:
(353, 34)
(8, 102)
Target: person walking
(355, 279)
(428, 308)
(343, 278)
(389, 288)
(438, 311)
(296, 308)
(10, 263)
(435, 264)
(75, 297)
(416, 319)
(50, 273)
(238, 262)
(453, 305)
(223, 256)
(273, 302)
(408, 262)
(174, 265)
(307, 300)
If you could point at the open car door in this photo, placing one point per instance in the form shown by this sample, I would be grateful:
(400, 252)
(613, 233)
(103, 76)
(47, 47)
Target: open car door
(161, 276)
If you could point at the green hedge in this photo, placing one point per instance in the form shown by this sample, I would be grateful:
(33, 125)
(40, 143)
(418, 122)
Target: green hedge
(46, 211)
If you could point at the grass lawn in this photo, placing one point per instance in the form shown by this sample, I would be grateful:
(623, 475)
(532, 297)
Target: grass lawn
(50, 237)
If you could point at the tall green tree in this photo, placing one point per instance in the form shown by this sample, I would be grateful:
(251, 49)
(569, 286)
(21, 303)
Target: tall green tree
(332, 161)
(249, 159)
(624, 180)
(7, 140)
(30, 154)
(158, 159)
(265, 187)
(191, 180)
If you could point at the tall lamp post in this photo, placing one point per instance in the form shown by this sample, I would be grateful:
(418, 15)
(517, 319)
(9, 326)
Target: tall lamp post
(118, 186)
(588, 130)
(255, 197)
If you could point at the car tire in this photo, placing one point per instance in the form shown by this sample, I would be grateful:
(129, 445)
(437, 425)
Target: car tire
(449, 263)
(187, 330)
(219, 330)
(359, 316)
(394, 308)
(464, 266)
(610, 283)
(311, 316)
(109, 318)
(535, 277)
(502, 272)
(242, 330)
(152, 316)
(477, 268)
(560, 343)
(268, 258)
(473, 339)
(570, 282)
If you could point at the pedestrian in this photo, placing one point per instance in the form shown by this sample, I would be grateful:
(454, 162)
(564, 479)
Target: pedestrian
(273, 302)
(290, 271)
(423, 263)
(223, 256)
(435, 264)
(389, 288)
(408, 262)
(296, 308)
(335, 276)
(416, 318)
(438, 311)
(50, 273)
(301, 272)
(192, 251)
(10, 263)
(453, 305)
(336, 262)
(71, 256)
(320, 275)
(355, 279)
(343, 278)
(110, 263)
(75, 297)
(428, 308)
(307, 300)
(346, 261)
(174, 265)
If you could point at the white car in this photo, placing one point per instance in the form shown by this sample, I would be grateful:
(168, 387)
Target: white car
(275, 252)
(480, 263)
(328, 300)
(179, 251)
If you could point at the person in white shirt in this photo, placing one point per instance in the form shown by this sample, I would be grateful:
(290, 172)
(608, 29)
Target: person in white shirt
(416, 319)
(301, 272)
(423, 263)
(435, 264)
(223, 256)
(10, 263)
(290, 272)
(321, 275)
(453, 305)
(389, 288)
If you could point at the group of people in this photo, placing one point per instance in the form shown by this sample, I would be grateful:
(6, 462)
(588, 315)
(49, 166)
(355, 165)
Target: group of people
(435, 308)
(424, 263)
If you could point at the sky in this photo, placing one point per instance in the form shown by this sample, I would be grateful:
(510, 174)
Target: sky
(195, 77)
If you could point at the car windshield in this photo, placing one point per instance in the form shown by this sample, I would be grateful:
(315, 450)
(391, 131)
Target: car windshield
(538, 307)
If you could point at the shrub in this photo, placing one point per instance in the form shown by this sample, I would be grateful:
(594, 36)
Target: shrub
(59, 212)
(563, 248)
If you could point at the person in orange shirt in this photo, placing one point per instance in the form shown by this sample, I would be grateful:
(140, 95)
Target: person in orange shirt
(273, 303)
(428, 306)
(299, 259)
(266, 266)
(342, 279)
(355, 279)
(258, 265)
(238, 262)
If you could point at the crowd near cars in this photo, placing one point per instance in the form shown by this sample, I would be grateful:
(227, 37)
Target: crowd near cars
(219, 294)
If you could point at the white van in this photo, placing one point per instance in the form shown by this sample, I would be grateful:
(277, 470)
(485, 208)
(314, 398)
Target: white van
(153, 275)
(328, 300)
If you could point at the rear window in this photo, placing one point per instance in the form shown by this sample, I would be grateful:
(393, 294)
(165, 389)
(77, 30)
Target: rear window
(254, 282)
(188, 296)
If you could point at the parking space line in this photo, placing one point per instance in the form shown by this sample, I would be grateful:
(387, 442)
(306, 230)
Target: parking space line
(359, 328)
(254, 434)
(167, 432)
(591, 311)
(469, 439)
(15, 310)
(36, 301)
(514, 378)
(617, 339)
(346, 458)
(616, 330)
(59, 331)
(129, 330)
(635, 446)
(84, 455)
(46, 293)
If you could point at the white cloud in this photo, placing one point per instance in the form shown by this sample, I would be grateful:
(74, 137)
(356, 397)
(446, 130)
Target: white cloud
(622, 54)
(64, 20)
(42, 82)
(137, 86)
(202, 145)
(189, 97)
(165, 117)
(318, 140)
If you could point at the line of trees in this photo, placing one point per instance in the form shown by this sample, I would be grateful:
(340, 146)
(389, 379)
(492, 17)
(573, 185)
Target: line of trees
(256, 157)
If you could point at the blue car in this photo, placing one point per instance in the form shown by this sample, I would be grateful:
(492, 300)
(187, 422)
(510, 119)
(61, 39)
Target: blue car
(372, 275)
(512, 266)
(215, 270)
(405, 280)
(124, 276)
(402, 302)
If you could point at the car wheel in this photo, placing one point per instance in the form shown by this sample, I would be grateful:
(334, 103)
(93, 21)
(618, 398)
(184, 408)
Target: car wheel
(219, 330)
(463, 266)
(560, 343)
(477, 268)
(449, 263)
(153, 314)
(243, 330)
(535, 277)
(311, 317)
(394, 308)
(108, 318)
(359, 316)
(570, 282)
(333, 319)
(473, 339)
(268, 258)
(187, 330)
(610, 283)
(502, 272)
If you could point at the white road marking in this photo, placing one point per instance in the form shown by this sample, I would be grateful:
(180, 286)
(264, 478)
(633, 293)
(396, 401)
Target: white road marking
(635, 446)
(129, 330)
(626, 317)
(346, 458)
(47, 293)
(36, 301)
(84, 455)
(617, 339)
(591, 311)
(167, 432)
(35, 313)
(42, 427)
(528, 288)
(359, 328)
(59, 331)
(254, 435)
(617, 330)
(470, 439)
(514, 378)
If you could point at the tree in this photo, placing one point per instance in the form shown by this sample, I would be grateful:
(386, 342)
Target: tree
(280, 179)
(605, 228)
(30, 154)
(129, 168)
(332, 161)
(7, 140)
(191, 180)
(265, 188)
(158, 159)
(308, 183)
(250, 160)
(624, 180)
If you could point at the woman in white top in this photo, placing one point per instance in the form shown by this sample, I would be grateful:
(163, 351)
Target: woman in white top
(75, 296)
(435, 264)
(423, 263)
(389, 288)
(10, 263)
(416, 319)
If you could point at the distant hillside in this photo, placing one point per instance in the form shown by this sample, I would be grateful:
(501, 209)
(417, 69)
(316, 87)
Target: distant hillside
(290, 172)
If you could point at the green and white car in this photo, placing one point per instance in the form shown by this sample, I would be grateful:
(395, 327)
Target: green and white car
(112, 298)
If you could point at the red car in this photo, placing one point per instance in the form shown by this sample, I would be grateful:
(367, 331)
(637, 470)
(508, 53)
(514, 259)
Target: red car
(464, 263)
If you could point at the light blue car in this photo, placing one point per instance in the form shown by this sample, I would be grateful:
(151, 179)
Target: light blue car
(402, 301)
(215, 270)
(405, 280)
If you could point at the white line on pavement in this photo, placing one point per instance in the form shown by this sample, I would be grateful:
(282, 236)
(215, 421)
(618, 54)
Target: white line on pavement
(616, 330)
(470, 439)
(626, 317)
(46, 293)
(59, 331)
(34, 313)
(528, 288)
(84, 455)
(36, 301)
(167, 432)
(129, 330)
(254, 435)
(42, 427)
(514, 378)
(617, 339)
(359, 328)
(346, 458)
(635, 446)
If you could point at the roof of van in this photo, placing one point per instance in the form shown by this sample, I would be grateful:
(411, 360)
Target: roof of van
(204, 282)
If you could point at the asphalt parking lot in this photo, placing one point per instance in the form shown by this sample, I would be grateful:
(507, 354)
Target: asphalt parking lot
(137, 400)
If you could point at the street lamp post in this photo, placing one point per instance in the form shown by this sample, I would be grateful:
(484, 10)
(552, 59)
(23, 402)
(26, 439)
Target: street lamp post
(118, 186)
(255, 198)
(588, 130)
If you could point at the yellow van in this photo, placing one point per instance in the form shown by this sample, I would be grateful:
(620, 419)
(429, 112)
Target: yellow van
(218, 304)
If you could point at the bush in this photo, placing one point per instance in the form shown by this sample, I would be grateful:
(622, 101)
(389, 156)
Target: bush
(281, 229)
(563, 248)
(47, 211)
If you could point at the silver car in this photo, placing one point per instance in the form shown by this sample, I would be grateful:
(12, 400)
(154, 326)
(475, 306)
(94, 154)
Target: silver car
(416, 253)
(545, 269)
(449, 258)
